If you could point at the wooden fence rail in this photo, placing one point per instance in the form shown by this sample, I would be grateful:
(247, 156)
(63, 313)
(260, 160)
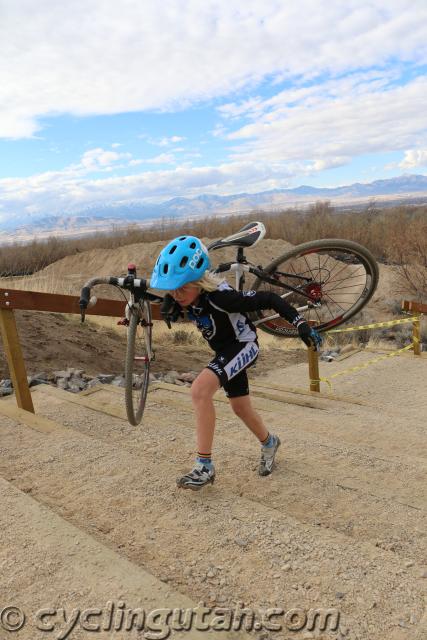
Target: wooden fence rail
(12, 299)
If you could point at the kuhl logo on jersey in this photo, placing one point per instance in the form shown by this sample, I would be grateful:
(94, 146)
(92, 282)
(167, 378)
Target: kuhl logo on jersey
(242, 360)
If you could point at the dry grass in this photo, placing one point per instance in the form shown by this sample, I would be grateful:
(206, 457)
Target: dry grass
(397, 235)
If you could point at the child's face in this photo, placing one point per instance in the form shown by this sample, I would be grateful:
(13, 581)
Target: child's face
(186, 295)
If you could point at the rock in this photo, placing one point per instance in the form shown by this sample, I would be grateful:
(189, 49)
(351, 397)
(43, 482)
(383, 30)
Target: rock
(188, 377)
(93, 383)
(6, 384)
(62, 383)
(105, 378)
(408, 564)
(41, 375)
(171, 377)
(286, 567)
(329, 356)
(5, 391)
(77, 381)
(65, 375)
(74, 387)
(32, 381)
(118, 381)
(340, 595)
(211, 573)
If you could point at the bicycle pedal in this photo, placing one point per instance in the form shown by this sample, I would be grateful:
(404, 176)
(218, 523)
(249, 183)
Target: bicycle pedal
(124, 322)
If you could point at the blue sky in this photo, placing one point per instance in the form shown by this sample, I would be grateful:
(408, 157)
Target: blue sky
(107, 102)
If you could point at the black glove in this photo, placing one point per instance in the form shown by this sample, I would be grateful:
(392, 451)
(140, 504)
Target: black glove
(309, 335)
(171, 310)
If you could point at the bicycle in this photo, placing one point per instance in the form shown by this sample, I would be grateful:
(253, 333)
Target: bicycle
(139, 349)
(306, 282)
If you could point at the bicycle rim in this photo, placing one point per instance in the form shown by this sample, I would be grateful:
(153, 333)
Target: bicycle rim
(137, 364)
(341, 276)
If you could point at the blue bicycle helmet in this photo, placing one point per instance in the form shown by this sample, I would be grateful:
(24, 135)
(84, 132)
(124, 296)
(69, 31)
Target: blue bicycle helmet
(185, 259)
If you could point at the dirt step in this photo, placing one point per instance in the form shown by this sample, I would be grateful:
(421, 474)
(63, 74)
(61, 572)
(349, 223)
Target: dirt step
(394, 386)
(48, 563)
(210, 544)
(353, 467)
(331, 499)
(343, 422)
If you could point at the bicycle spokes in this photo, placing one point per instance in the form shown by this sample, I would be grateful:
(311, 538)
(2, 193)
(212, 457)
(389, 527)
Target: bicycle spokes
(328, 282)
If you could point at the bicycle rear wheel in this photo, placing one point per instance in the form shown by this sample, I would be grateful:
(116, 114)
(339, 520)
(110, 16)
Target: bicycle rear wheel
(339, 275)
(138, 359)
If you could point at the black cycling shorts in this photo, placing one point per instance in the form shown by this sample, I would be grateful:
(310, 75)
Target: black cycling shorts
(230, 366)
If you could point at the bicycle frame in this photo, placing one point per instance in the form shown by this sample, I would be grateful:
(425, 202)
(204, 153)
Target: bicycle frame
(241, 266)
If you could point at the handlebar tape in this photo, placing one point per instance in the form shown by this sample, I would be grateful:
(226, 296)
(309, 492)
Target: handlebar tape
(84, 297)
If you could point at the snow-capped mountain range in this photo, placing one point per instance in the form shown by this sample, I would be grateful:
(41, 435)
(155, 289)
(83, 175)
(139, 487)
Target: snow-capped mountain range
(102, 217)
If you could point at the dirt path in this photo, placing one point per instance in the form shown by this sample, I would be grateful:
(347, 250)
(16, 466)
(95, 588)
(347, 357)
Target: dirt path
(340, 524)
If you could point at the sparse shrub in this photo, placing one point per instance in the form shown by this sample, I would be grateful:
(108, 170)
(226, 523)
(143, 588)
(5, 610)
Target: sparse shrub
(180, 336)
(396, 235)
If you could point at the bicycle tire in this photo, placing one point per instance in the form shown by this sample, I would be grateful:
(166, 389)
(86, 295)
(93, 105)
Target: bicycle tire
(353, 254)
(137, 361)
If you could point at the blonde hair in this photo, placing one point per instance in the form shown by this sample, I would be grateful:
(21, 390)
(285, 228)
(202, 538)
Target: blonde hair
(209, 282)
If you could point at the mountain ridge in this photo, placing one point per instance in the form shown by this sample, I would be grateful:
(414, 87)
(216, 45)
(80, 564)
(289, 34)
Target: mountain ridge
(96, 216)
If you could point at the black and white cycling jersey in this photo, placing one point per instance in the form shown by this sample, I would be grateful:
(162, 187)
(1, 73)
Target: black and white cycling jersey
(221, 314)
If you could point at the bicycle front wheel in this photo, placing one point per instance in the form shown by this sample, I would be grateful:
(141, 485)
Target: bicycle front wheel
(138, 359)
(338, 276)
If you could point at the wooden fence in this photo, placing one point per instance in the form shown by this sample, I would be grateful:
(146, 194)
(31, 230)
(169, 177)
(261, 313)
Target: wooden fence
(12, 299)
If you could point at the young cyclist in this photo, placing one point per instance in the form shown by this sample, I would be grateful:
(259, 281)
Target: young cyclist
(219, 311)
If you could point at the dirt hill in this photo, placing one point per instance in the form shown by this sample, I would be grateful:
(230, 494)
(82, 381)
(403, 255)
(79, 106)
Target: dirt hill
(53, 342)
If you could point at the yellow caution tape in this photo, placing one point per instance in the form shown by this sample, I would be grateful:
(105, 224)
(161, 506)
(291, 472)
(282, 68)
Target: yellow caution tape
(376, 325)
(362, 366)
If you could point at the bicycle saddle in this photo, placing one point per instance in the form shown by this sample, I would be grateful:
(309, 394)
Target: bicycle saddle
(247, 236)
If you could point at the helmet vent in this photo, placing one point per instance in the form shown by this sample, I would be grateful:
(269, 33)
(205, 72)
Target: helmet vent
(182, 238)
(172, 249)
(166, 268)
(184, 261)
(199, 264)
(193, 245)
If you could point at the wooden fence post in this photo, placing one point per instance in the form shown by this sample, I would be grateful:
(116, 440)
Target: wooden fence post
(416, 336)
(13, 351)
(313, 369)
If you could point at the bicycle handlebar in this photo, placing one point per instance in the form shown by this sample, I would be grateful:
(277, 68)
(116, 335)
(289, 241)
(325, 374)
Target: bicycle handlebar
(129, 282)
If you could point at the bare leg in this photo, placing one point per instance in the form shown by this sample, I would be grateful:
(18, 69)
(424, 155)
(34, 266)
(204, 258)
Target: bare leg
(243, 408)
(202, 391)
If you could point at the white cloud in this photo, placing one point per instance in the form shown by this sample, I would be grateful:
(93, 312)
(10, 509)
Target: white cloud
(166, 142)
(328, 125)
(93, 57)
(72, 189)
(99, 159)
(414, 158)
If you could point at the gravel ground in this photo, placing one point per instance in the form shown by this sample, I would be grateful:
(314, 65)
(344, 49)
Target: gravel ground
(340, 524)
